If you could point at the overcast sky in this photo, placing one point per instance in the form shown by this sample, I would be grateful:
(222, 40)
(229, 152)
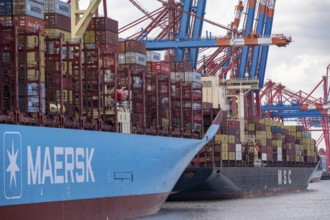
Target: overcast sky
(299, 66)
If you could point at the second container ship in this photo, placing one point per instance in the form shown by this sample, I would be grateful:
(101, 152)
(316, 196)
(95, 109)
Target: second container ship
(248, 156)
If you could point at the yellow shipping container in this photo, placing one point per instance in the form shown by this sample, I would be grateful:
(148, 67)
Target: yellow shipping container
(52, 31)
(292, 129)
(261, 142)
(231, 139)
(307, 140)
(261, 134)
(251, 127)
(67, 95)
(224, 147)
(276, 143)
(224, 155)
(89, 37)
(262, 121)
(165, 122)
(224, 138)
(298, 134)
(268, 122)
(269, 134)
(217, 138)
(232, 156)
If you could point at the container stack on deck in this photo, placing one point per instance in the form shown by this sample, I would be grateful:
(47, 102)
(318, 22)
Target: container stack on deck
(101, 83)
(22, 59)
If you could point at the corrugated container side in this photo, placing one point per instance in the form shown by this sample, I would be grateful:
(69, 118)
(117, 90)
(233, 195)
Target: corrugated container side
(135, 46)
(32, 104)
(58, 7)
(106, 37)
(153, 56)
(57, 21)
(135, 58)
(26, 22)
(104, 23)
(160, 67)
(28, 7)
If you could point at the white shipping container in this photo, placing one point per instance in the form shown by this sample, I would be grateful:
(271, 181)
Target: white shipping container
(122, 58)
(137, 82)
(153, 56)
(135, 58)
(33, 89)
(279, 150)
(177, 76)
(192, 77)
(33, 104)
(32, 8)
(194, 106)
(124, 117)
(125, 128)
(238, 147)
(58, 7)
(264, 156)
(211, 92)
(238, 155)
(279, 157)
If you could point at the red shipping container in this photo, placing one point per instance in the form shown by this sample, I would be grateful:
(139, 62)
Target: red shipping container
(269, 157)
(29, 23)
(207, 105)
(6, 20)
(57, 21)
(103, 23)
(121, 47)
(160, 67)
(135, 46)
(231, 147)
(106, 37)
(234, 124)
(269, 149)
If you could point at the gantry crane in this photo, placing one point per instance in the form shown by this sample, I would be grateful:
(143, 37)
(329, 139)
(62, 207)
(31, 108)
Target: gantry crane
(80, 19)
(283, 104)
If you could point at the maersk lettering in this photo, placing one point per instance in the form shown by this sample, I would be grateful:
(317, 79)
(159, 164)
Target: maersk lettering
(64, 8)
(59, 165)
(36, 9)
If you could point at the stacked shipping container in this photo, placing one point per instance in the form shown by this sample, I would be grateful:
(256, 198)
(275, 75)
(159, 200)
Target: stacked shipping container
(272, 144)
(22, 21)
(57, 18)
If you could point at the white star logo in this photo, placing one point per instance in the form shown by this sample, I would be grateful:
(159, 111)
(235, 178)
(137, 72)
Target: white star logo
(12, 168)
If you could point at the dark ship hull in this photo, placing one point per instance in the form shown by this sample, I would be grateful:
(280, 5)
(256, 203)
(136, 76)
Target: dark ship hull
(238, 182)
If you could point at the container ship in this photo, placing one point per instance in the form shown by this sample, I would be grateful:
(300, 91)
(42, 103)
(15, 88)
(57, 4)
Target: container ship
(91, 128)
(99, 127)
(248, 156)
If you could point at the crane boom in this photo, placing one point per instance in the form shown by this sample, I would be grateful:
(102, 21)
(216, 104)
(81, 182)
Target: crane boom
(80, 19)
(279, 40)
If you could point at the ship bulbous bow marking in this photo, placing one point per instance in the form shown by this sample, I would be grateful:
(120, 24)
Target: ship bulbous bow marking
(59, 165)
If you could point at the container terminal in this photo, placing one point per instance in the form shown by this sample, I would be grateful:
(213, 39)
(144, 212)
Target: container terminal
(89, 119)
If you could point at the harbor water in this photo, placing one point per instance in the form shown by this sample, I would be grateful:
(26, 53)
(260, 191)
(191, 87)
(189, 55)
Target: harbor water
(314, 203)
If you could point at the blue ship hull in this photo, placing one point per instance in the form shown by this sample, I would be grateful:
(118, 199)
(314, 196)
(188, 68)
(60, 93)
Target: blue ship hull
(57, 173)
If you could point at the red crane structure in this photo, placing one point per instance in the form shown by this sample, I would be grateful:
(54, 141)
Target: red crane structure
(313, 113)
